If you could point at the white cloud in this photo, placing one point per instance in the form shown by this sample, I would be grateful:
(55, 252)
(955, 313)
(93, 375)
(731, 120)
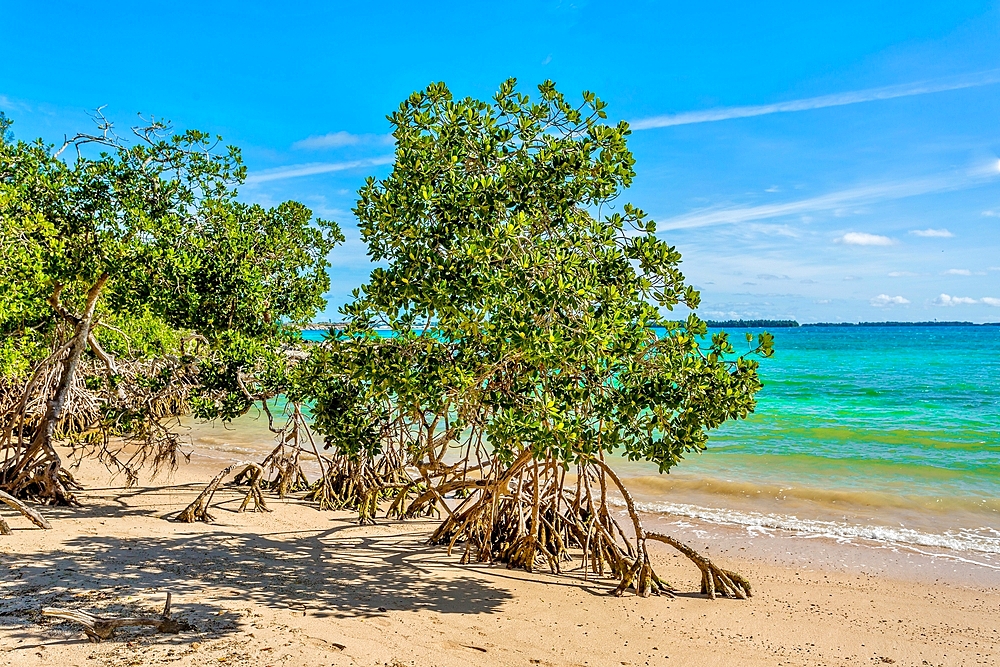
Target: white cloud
(991, 301)
(863, 238)
(312, 168)
(883, 300)
(771, 276)
(338, 139)
(820, 102)
(991, 214)
(932, 233)
(957, 272)
(832, 201)
(902, 274)
(945, 300)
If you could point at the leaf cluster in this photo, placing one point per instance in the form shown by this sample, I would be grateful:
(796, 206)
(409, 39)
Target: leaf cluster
(525, 304)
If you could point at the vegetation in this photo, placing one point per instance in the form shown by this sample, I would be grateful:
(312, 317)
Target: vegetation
(530, 342)
(136, 287)
(523, 303)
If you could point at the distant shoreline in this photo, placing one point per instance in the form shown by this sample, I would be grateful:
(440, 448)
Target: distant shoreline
(752, 324)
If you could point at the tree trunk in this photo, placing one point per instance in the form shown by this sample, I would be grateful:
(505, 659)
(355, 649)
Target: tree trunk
(39, 468)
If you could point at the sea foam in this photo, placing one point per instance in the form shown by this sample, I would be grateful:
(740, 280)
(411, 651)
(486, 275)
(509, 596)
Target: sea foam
(984, 540)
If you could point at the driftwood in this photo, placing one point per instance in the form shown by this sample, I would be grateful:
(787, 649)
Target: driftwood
(102, 627)
(198, 509)
(32, 515)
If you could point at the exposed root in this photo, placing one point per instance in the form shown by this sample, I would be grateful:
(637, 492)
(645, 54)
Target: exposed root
(99, 628)
(359, 484)
(32, 515)
(198, 509)
(714, 579)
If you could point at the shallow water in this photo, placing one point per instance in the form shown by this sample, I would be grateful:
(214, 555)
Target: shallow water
(874, 433)
(888, 435)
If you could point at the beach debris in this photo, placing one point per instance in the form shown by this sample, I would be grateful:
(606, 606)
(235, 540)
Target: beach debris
(32, 515)
(99, 628)
(198, 509)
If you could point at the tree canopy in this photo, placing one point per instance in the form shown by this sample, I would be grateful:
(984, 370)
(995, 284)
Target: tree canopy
(121, 256)
(525, 295)
(531, 324)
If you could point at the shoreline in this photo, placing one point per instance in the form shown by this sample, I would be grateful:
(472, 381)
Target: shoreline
(292, 585)
(742, 508)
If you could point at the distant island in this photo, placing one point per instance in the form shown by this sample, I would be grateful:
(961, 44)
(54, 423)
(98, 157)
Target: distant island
(753, 324)
(935, 323)
(323, 326)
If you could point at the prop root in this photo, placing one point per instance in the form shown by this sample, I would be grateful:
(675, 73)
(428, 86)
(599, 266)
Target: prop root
(198, 510)
(31, 514)
(714, 580)
(102, 627)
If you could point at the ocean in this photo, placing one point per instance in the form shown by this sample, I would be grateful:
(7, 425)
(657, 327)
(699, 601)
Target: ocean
(888, 434)
(882, 434)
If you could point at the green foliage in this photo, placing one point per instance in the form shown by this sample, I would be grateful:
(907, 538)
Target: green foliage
(182, 258)
(527, 306)
(25, 238)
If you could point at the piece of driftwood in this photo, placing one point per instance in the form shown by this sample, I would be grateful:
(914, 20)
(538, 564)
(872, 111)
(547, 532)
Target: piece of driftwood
(102, 627)
(31, 514)
(198, 509)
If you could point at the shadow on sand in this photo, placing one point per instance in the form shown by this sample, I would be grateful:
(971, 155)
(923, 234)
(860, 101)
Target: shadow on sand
(341, 571)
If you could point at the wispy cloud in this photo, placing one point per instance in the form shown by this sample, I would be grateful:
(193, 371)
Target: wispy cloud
(313, 168)
(867, 194)
(991, 301)
(883, 300)
(932, 233)
(957, 272)
(821, 102)
(338, 139)
(17, 106)
(771, 276)
(902, 274)
(863, 238)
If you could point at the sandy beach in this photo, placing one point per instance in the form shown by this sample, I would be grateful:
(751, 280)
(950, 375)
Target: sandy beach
(296, 586)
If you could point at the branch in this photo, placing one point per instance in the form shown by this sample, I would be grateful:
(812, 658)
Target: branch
(57, 306)
(31, 514)
(107, 136)
(102, 627)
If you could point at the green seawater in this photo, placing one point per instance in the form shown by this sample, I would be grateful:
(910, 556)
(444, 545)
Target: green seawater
(912, 411)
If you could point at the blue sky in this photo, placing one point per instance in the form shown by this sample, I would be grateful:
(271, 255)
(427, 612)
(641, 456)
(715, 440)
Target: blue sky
(822, 163)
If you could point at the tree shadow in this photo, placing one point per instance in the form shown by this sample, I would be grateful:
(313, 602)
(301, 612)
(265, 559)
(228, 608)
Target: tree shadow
(343, 571)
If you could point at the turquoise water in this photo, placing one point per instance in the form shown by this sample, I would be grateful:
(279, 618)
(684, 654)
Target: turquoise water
(888, 433)
(912, 411)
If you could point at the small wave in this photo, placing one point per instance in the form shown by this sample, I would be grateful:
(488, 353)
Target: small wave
(985, 540)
